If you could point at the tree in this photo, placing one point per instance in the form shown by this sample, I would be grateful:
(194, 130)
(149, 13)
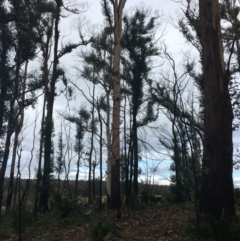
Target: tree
(45, 30)
(50, 85)
(60, 157)
(99, 61)
(169, 93)
(81, 126)
(217, 182)
(23, 41)
(5, 47)
(15, 143)
(115, 160)
(138, 46)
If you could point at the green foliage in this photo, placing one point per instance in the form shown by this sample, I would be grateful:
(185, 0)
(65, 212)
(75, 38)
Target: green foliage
(101, 103)
(26, 219)
(68, 48)
(100, 230)
(60, 155)
(97, 66)
(82, 122)
(66, 207)
(48, 144)
(211, 229)
(150, 116)
(138, 47)
(6, 226)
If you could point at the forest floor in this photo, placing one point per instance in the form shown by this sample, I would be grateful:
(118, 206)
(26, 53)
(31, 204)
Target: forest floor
(162, 223)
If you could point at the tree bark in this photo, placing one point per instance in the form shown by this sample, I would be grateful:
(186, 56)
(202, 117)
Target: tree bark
(47, 169)
(15, 145)
(115, 199)
(10, 130)
(108, 137)
(91, 150)
(4, 78)
(217, 182)
(101, 150)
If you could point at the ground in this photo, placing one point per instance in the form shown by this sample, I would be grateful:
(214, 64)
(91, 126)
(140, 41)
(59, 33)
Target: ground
(162, 223)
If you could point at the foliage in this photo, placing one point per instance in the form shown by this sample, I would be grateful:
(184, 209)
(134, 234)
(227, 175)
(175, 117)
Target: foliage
(66, 207)
(60, 157)
(211, 229)
(26, 219)
(101, 229)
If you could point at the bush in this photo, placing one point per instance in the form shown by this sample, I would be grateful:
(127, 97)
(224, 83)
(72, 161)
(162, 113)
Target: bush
(214, 230)
(66, 206)
(100, 230)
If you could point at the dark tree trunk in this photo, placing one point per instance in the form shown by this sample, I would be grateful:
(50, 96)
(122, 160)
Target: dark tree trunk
(77, 175)
(39, 169)
(15, 145)
(135, 149)
(10, 131)
(4, 74)
(4, 162)
(46, 54)
(217, 182)
(47, 169)
(126, 158)
(101, 144)
(91, 151)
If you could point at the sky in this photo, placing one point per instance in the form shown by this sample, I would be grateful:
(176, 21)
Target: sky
(91, 20)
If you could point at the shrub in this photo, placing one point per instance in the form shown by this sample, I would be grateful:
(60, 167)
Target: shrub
(66, 206)
(214, 230)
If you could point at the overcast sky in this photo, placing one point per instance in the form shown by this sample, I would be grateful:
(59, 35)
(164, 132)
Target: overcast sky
(175, 44)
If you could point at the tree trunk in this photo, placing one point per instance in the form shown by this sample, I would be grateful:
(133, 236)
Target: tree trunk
(39, 169)
(108, 135)
(46, 54)
(115, 199)
(217, 182)
(135, 144)
(101, 156)
(4, 78)
(15, 145)
(91, 150)
(10, 131)
(77, 175)
(48, 129)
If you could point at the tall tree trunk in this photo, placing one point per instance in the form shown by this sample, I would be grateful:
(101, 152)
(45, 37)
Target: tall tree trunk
(4, 78)
(135, 150)
(115, 199)
(15, 145)
(77, 175)
(5, 159)
(108, 135)
(46, 53)
(126, 159)
(39, 169)
(101, 156)
(28, 183)
(47, 169)
(217, 182)
(10, 131)
(91, 150)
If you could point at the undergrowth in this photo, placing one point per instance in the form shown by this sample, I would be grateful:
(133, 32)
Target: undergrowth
(211, 229)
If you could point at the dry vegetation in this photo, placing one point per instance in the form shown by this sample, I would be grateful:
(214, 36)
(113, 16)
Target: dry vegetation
(160, 223)
(74, 220)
